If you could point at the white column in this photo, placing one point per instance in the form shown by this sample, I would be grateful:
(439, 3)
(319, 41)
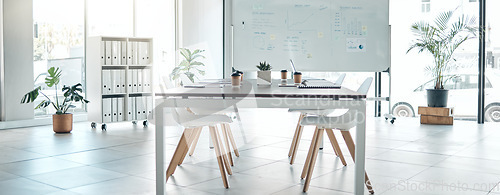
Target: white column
(2, 111)
(228, 37)
(18, 58)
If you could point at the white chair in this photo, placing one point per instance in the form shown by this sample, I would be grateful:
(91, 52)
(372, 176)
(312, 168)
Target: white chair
(325, 123)
(226, 128)
(303, 112)
(193, 125)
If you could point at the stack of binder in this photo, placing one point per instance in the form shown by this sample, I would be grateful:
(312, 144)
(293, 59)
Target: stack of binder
(139, 80)
(112, 110)
(139, 108)
(125, 53)
(113, 82)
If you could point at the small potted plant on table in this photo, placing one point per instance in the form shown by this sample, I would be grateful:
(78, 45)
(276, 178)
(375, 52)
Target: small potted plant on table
(264, 73)
(62, 121)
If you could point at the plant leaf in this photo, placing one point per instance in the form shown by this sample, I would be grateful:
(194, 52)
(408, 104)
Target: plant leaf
(31, 96)
(43, 104)
(54, 77)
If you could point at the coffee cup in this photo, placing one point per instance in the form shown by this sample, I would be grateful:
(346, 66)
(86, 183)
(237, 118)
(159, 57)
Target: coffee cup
(297, 77)
(241, 74)
(284, 74)
(235, 79)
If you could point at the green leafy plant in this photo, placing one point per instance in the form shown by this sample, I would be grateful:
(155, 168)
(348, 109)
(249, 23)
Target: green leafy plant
(189, 64)
(441, 39)
(264, 66)
(71, 93)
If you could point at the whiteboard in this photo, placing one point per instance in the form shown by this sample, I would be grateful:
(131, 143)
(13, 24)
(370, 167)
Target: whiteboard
(318, 35)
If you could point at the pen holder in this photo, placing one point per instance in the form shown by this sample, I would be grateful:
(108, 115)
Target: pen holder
(297, 77)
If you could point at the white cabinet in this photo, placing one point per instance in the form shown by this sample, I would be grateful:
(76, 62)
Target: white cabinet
(119, 79)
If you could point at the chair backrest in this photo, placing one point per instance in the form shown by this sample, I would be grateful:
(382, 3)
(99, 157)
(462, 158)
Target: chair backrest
(363, 89)
(340, 80)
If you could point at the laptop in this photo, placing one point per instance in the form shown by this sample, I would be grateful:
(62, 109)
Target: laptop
(293, 66)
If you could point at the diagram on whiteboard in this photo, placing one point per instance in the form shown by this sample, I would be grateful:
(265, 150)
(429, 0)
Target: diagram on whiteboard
(304, 17)
(311, 32)
(356, 45)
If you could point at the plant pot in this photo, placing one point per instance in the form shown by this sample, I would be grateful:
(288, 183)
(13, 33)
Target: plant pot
(437, 97)
(264, 78)
(62, 123)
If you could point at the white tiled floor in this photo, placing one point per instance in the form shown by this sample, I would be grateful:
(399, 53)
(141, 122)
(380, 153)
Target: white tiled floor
(404, 158)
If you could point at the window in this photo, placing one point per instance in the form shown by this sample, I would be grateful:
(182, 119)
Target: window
(58, 42)
(110, 18)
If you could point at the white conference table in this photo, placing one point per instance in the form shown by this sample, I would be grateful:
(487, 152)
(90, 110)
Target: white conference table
(250, 95)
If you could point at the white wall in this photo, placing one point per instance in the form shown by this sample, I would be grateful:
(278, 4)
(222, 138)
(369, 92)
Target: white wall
(201, 27)
(18, 57)
(2, 113)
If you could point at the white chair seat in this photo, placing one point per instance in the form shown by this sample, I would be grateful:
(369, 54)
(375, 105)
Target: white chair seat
(343, 122)
(312, 111)
(204, 120)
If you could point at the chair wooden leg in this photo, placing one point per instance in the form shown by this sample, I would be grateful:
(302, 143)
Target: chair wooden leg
(195, 142)
(308, 158)
(189, 139)
(313, 159)
(223, 152)
(294, 140)
(219, 157)
(297, 142)
(335, 145)
(178, 152)
(295, 147)
(350, 145)
(226, 141)
(231, 138)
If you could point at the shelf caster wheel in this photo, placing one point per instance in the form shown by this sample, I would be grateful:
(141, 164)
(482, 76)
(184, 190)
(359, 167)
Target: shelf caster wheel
(103, 127)
(134, 122)
(93, 125)
(392, 121)
(386, 118)
(145, 123)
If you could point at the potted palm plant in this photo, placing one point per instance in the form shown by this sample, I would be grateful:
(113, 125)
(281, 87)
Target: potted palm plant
(189, 65)
(441, 39)
(264, 73)
(62, 121)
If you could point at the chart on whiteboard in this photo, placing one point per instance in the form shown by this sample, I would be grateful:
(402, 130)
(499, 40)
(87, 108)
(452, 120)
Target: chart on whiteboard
(310, 31)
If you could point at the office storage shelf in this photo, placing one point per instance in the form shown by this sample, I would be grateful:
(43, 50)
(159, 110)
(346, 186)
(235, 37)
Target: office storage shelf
(114, 95)
(119, 80)
(140, 93)
(140, 66)
(113, 66)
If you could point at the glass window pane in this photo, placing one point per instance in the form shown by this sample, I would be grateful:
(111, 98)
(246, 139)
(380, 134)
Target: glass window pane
(58, 42)
(110, 18)
(156, 19)
(492, 91)
(409, 69)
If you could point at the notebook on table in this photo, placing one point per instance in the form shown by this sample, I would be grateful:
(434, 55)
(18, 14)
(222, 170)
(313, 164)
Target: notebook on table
(318, 84)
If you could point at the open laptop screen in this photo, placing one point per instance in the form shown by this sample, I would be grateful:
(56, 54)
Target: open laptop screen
(293, 66)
